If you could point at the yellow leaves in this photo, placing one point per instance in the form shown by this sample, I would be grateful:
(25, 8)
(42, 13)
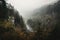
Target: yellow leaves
(21, 33)
(7, 24)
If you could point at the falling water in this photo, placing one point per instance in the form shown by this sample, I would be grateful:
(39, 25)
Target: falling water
(29, 28)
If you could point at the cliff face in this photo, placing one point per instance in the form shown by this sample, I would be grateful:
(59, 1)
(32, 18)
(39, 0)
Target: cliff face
(47, 18)
(10, 21)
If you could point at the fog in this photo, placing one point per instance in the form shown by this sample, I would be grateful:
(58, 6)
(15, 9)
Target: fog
(25, 7)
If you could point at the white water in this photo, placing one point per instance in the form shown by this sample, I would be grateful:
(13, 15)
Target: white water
(29, 28)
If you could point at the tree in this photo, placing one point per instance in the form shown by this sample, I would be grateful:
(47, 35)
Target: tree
(3, 10)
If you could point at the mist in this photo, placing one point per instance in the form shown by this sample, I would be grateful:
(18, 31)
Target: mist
(26, 7)
(29, 19)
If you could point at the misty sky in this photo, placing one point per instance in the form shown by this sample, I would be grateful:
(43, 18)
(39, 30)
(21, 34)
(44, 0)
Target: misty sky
(26, 6)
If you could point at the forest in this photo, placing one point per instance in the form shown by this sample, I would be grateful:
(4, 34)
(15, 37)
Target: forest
(45, 23)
